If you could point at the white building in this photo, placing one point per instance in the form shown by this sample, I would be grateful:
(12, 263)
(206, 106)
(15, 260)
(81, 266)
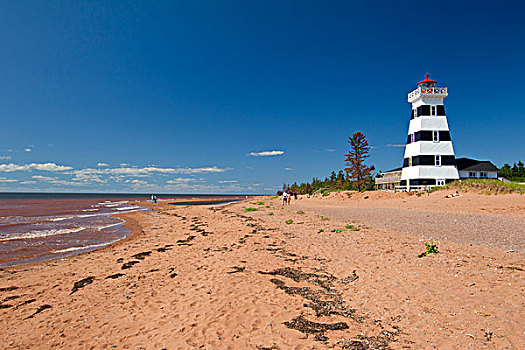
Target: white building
(429, 156)
(476, 169)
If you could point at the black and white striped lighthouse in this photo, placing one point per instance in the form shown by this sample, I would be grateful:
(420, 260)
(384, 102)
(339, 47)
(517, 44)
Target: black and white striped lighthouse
(429, 156)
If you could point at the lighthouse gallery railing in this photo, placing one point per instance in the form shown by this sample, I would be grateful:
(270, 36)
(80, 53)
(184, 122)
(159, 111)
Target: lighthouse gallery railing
(441, 91)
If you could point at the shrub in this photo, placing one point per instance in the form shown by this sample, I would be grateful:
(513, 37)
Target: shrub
(336, 230)
(270, 213)
(267, 206)
(320, 230)
(300, 212)
(290, 221)
(352, 228)
(259, 203)
(431, 248)
(250, 209)
(324, 218)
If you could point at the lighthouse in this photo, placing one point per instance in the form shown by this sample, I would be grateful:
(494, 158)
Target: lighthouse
(429, 156)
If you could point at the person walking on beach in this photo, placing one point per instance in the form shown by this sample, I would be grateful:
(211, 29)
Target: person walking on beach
(285, 198)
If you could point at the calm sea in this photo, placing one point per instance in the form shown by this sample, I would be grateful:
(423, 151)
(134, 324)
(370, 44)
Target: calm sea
(44, 226)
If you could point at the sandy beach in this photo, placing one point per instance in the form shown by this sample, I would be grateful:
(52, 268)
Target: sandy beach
(345, 272)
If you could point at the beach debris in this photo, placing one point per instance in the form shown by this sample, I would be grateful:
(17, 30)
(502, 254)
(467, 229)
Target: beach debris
(141, 256)
(39, 310)
(120, 260)
(362, 342)
(305, 326)
(82, 283)
(186, 241)
(5, 306)
(321, 280)
(273, 347)
(237, 269)
(25, 303)
(117, 275)
(8, 289)
(350, 278)
(479, 313)
(129, 264)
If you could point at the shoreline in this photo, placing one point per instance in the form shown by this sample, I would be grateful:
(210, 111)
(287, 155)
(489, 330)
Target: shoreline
(216, 276)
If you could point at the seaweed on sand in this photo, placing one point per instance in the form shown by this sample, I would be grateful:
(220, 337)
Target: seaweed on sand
(82, 283)
(237, 269)
(186, 241)
(141, 256)
(129, 264)
(305, 326)
(39, 310)
(321, 280)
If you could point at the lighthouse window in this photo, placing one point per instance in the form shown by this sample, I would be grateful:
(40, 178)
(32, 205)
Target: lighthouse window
(433, 110)
(435, 136)
(440, 110)
(444, 136)
(438, 160)
(410, 161)
(414, 112)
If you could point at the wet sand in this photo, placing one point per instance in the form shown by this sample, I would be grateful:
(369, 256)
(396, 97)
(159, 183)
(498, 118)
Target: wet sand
(217, 277)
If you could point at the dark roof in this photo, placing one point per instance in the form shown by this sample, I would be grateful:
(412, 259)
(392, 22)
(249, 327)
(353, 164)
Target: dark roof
(391, 171)
(467, 164)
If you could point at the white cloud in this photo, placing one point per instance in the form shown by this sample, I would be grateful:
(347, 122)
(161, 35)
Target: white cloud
(56, 181)
(102, 164)
(329, 150)
(3, 179)
(5, 157)
(266, 153)
(33, 166)
(288, 169)
(27, 182)
(180, 180)
(228, 181)
(27, 149)
(391, 145)
(137, 182)
(127, 171)
(124, 164)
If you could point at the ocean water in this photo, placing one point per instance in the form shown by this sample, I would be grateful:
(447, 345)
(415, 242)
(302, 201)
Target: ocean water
(44, 226)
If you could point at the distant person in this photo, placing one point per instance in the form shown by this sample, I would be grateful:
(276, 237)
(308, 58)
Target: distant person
(289, 198)
(152, 199)
(285, 198)
(295, 195)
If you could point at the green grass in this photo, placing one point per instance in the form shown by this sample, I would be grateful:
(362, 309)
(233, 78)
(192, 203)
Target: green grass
(485, 186)
(274, 197)
(352, 228)
(270, 213)
(324, 218)
(336, 230)
(267, 206)
(300, 212)
(259, 203)
(250, 209)
(290, 221)
(320, 230)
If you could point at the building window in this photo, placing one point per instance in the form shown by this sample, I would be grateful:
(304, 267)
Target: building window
(410, 161)
(411, 137)
(483, 175)
(415, 112)
(435, 136)
(433, 110)
(437, 160)
(471, 174)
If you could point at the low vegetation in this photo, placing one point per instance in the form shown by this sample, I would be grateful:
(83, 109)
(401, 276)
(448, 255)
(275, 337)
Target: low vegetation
(250, 209)
(290, 221)
(485, 186)
(300, 212)
(352, 228)
(431, 248)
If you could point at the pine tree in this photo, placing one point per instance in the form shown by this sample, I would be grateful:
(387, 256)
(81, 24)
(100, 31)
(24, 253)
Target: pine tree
(356, 159)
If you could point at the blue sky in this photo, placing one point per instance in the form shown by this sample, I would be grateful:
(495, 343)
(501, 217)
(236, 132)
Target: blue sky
(182, 97)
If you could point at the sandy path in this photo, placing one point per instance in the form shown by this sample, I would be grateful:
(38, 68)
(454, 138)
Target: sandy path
(191, 279)
(505, 232)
